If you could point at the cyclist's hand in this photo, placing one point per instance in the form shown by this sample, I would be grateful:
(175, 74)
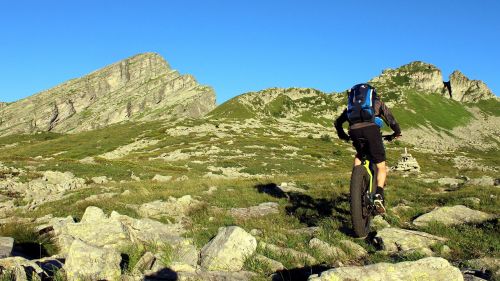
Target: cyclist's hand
(392, 137)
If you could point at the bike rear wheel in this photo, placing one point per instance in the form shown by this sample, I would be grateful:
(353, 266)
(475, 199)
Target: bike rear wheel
(360, 214)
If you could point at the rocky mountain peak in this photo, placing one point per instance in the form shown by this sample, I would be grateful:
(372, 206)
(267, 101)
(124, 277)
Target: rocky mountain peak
(467, 90)
(142, 87)
(415, 75)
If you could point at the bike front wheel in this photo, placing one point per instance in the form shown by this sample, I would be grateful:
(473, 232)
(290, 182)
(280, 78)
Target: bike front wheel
(360, 215)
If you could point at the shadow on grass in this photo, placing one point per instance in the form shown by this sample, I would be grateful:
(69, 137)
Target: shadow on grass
(309, 210)
(298, 274)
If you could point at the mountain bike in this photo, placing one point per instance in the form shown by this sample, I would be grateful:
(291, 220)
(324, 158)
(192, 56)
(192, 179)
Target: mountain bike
(362, 191)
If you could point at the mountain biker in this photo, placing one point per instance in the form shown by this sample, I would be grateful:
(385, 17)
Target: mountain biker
(369, 129)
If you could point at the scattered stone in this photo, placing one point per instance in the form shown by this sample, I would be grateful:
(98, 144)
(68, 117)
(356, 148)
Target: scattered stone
(378, 223)
(429, 269)
(22, 268)
(88, 160)
(327, 250)
(309, 231)
(182, 178)
(134, 177)
(291, 187)
(127, 149)
(261, 210)
(210, 190)
(271, 264)
(487, 263)
(93, 215)
(474, 201)
(144, 263)
(100, 180)
(483, 181)
(445, 251)
(176, 208)
(171, 275)
(402, 240)
(407, 163)
(451, 182)
(99, 197)
(160, 178)
(126, 193)
(6, 245)
(354, 249)
(458, 214)
(301, 258)
(228, 250)
(85, 261)
(256, 232)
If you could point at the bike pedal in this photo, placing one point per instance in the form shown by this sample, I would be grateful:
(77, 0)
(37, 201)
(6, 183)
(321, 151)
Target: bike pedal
(379, 206)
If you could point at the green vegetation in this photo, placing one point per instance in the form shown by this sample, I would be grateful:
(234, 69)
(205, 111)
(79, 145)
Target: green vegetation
(431, 110)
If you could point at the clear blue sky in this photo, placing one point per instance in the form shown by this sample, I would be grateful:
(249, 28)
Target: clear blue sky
(238, 46)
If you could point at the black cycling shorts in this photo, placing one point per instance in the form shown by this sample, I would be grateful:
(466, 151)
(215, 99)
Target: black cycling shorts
(372, 139)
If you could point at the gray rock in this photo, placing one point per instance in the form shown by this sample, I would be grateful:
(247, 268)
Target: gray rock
(100, 180)
(402, 240)
(228, 250)
(93, 214)
(354, 249)
(458, 214)
(6, 245)
(86, 261)
(301, 258)
(144, 263)
(22, 268)
(378, 223)
(451, 182)
(488, 263)
(271, 264)
(173, 208)
(429, 269)
(160, 178)
(261, 210)
(327, 250)
(483, 181)
(142, 87)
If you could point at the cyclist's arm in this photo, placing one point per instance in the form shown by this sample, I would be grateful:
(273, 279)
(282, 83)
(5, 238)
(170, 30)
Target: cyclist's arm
(338, 125)
(389, 118)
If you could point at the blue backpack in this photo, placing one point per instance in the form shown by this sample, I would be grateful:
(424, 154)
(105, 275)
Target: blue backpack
(360, 104)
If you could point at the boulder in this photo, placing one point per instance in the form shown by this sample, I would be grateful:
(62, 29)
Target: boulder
(93, 214)
(6, 245)
(354, 249)
(483, 181)
(88, 262)
(270, 263)
(403, 240)
(428, 269)
(302, 258)
(160, 178)
(458, 214)
(327, 250)
(144, 263)
(261, 210)
(379, 223)
(174, 207)
(228, 250)
(487, 263)
(100, 180)
(451, 182)
(21, 268)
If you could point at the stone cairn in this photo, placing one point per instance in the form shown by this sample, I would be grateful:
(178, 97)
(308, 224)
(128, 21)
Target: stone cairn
(407, 163)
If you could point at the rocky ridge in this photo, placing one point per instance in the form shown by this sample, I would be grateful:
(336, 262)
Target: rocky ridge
(143, 87)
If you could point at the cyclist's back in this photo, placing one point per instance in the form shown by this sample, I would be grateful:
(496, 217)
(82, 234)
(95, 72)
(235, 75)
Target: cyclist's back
(365, 113)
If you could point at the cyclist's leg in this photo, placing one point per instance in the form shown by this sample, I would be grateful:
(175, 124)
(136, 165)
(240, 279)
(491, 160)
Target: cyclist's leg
(381, 174)
(355, 134)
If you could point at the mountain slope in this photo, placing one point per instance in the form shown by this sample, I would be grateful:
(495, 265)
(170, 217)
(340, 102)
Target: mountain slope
(421, 101)
(143, 87)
